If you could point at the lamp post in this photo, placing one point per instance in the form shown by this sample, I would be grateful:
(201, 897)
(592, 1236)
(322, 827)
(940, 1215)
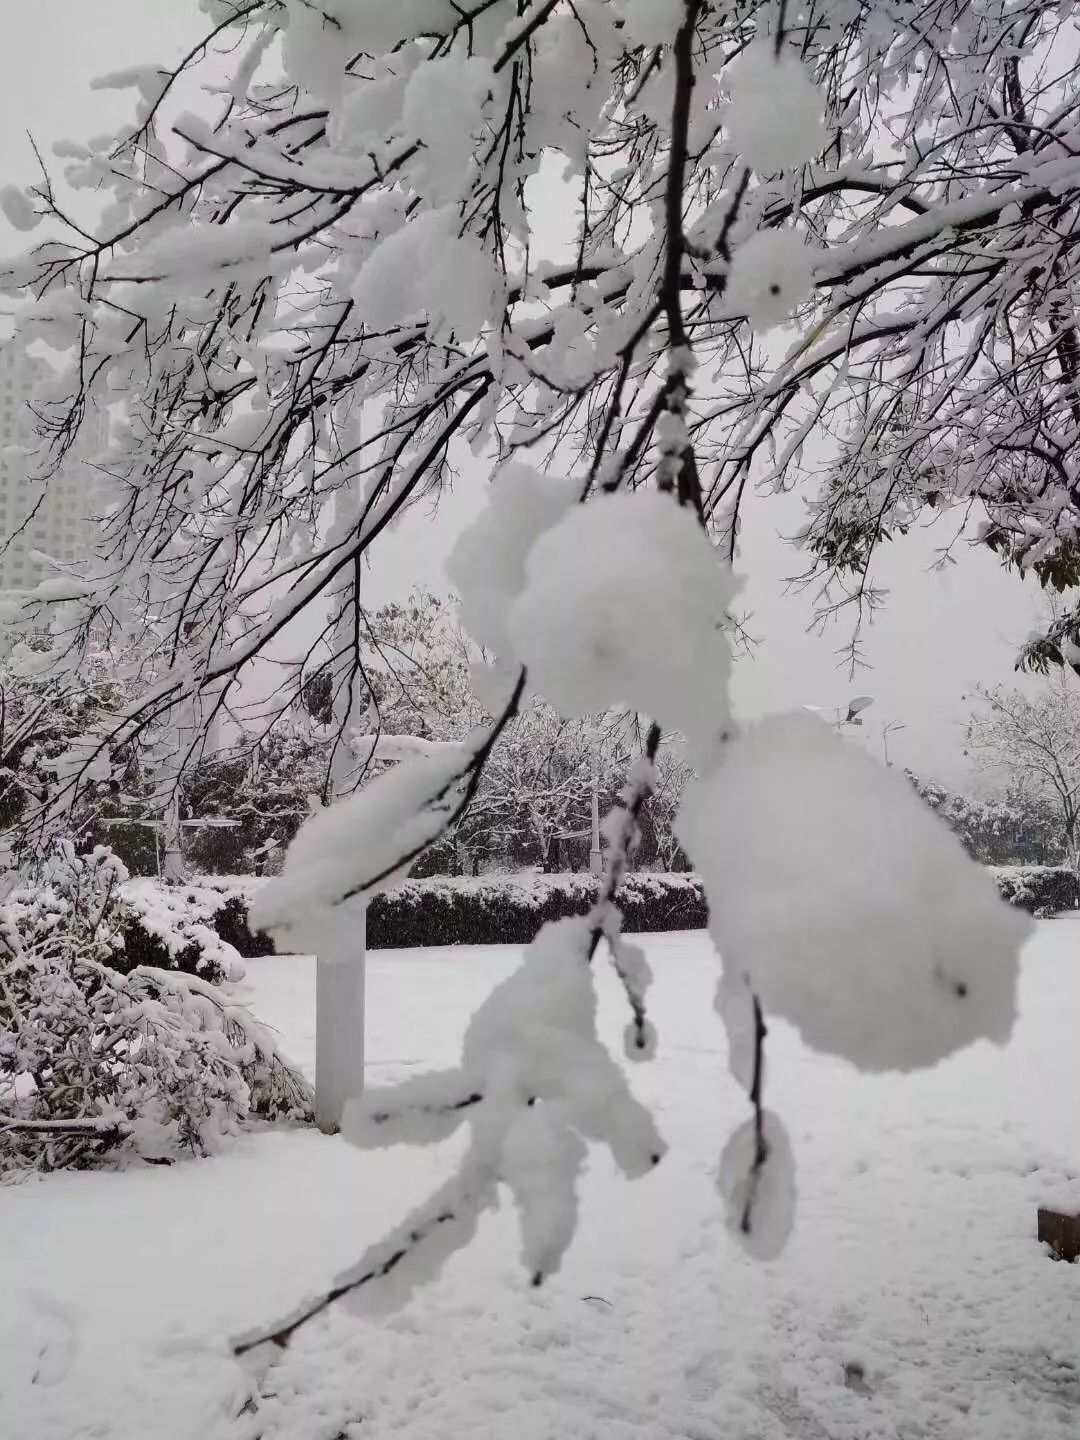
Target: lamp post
(886, 731)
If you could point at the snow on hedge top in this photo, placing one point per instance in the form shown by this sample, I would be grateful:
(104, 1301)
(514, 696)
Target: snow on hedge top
(854, 911)
(487, 564)
(359, 845)
(624, 604)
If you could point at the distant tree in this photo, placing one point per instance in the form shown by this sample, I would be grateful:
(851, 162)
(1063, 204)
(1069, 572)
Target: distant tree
(48, 722)
(1011, 827)
(1035, 741)
(659, 847)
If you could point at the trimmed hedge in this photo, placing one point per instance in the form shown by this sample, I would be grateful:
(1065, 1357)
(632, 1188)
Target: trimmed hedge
(499, 910)
(502, 910)
(1039, 889)
(506, 911)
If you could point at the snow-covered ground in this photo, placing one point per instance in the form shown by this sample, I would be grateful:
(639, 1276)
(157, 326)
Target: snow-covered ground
(914, 1256)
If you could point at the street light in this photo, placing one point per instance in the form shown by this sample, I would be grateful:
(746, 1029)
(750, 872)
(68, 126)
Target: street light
(839, 717)
(860, 702)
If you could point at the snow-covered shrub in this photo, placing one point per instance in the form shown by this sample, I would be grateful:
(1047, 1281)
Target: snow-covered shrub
(96, 1064)
(1039, 889)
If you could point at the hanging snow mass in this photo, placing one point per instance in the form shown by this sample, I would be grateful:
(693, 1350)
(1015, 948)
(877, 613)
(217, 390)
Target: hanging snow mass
(771, 275)
(624, 603)
(759, 1199)
(852, 910)
(487, 564)
(363, 843)
(776, 115)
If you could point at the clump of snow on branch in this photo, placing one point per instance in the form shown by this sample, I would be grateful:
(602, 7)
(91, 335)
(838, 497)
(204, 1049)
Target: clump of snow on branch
(360, 844)
(487, 563)
(756, 1179)
(624, 604)
(17, 208)
(443, 109)
(534, 1083)
(425, 269)
(775, 116)
(853, 911)
(771, 275)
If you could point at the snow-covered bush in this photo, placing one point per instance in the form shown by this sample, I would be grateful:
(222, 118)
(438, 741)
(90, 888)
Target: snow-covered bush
(173, 926)
(1039, 889)
(96, 1065)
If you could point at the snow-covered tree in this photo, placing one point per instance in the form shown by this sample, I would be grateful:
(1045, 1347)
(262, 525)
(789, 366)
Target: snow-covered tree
(49, 724)
(1034, 740)
(781, 221)
(345, 261)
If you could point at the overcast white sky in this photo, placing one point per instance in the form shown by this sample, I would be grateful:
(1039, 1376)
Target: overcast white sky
(940, 635)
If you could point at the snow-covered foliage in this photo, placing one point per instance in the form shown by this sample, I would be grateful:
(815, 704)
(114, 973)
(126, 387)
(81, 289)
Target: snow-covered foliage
(1011, 826)
(96, 1065)
(180, 918)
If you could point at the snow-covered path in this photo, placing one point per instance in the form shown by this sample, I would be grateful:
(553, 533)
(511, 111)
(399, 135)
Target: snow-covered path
(914, 1255)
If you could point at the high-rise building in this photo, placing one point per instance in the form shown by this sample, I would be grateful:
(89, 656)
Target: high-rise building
(39, 518)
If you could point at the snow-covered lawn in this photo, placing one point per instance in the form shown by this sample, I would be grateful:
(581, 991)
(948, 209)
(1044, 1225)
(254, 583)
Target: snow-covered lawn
(914, 1255)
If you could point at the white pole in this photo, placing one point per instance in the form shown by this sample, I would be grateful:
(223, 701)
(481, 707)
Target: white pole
(173, 864)
(340, 963)
(339, 1017)
(183, 718)
(596, 858)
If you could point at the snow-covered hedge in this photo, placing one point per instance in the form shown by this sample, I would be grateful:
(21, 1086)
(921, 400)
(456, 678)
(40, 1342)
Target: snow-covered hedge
(511, 911)
(1039, 889)
(498, 910)
(174, 923)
